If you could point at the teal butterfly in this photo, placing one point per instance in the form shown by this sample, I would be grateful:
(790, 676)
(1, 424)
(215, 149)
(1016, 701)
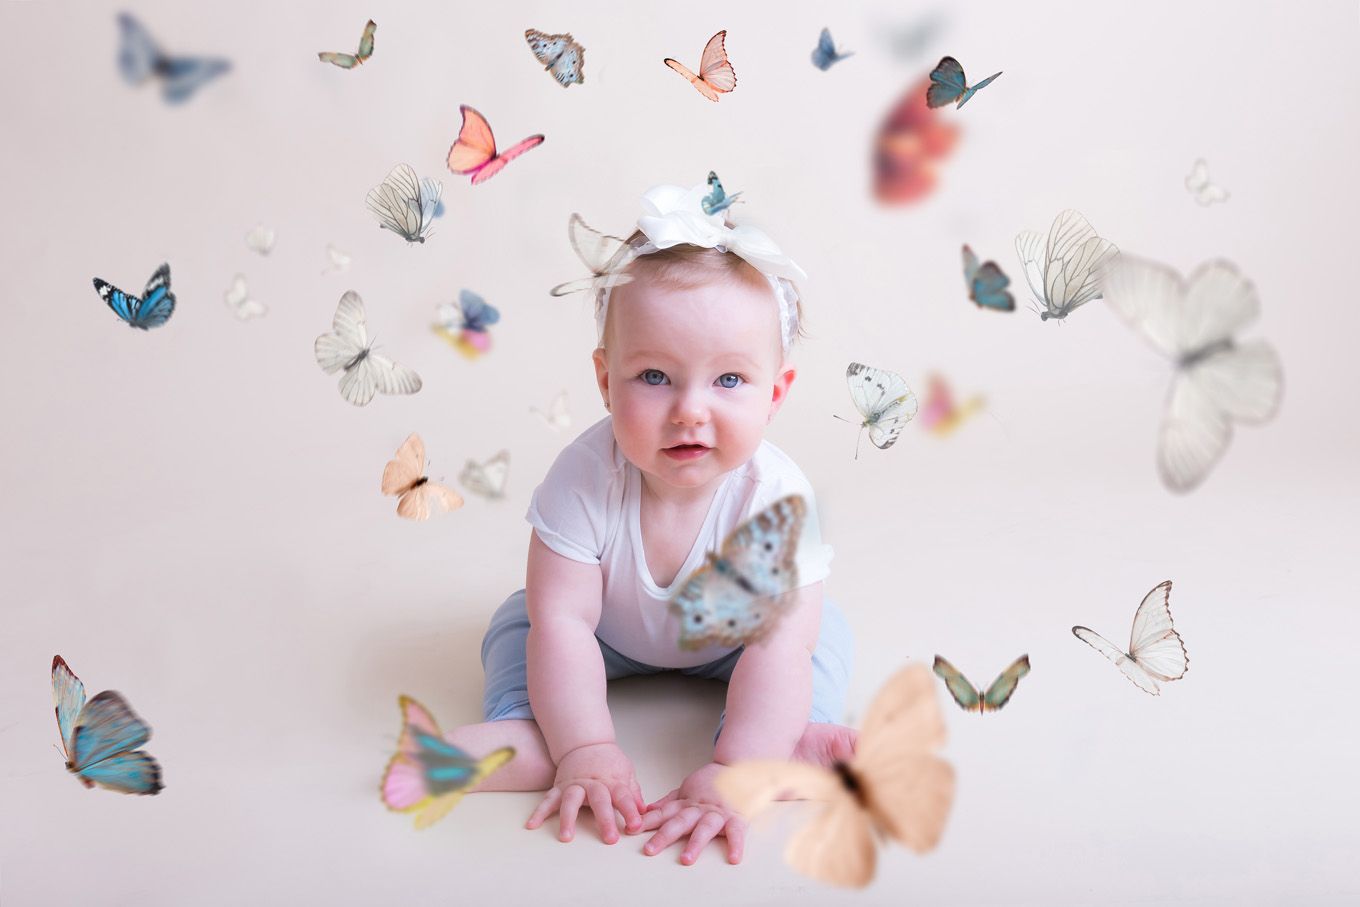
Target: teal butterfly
(717, 200)
(948, 84)
(101, 737)
(986, 283)
(970, 698)
(359, 57)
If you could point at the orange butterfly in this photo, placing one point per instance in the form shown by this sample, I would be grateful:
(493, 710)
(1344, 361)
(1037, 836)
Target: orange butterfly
(405, 476)
(474, 151)
(716, 75)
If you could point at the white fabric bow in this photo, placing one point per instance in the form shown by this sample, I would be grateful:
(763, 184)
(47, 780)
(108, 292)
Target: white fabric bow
(673, 216)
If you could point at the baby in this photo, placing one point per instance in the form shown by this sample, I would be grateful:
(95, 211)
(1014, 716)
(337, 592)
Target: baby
(692, 365)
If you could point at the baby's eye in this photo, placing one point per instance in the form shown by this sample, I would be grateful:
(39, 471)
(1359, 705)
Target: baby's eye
(654, 376)
(730, 380)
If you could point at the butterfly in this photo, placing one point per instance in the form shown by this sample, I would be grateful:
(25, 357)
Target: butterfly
(947, 84)
(603, 255)
(428, 775)
(405, 476)
(260, 239)
(910, 143)
(1198, 185)
(360, 56)
(140, 59)
(825, 53)
(465, 325)
(558, 415)
(101, 737)
(908, 40)
(986, 283)
(487, 479)
(239, 301)
(1217, 381)
(716, 75)
(732, 599)
(404, 204)
(154, 307)
(560, 55)
(970, 698)
(895, 786)
(339, 261)
(717, 200)
(885, 402)
(942, 415)
(474, 151)
(1156, 651)
(347, 347)
(1063, 270)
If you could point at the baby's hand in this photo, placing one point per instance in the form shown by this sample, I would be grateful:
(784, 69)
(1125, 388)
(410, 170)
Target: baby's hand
(598, 775)
(694, 809)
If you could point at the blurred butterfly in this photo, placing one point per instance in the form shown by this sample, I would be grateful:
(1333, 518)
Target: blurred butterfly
(1198, 185)
(101, 737)
(907, 41)
(1156, 651)
(404, 204)
(910, 143)
(260, 239)
(716, 75)
(347, 347)
(487, 479)
(947, 84)
(894, 787)
(474, 151)
(560, 55)
(558, 415)
(603, 255)
(885, 402)
(140, 59)
(825, 53)
(970, 698)
(428, 775)
(240, 303)
(986, 283)
(154, 307)
(732, 599)
(1064, 269)
(942, 415)
(717, 200)
(339, 261)
(1217, 381)
(405, 476)
(360, 56)
(465, 325)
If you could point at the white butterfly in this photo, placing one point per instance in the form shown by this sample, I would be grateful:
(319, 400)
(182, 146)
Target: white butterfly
(1063, 269)
(405, 477)
(1198, 185)
(1217, 380)
(339, 261)
(260, 239)
(732, 599)
(1156, 651)
(603, 255)
(404, 204)
(487, 479)
(347, 347)
(560, 55)
(885, 402)
(239, 301)
(558, 415)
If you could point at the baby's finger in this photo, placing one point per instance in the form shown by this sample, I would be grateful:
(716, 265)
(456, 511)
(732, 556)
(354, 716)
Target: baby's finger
(627, 805)
(657, 815)
(736, 839)
(671, 830)
(603, 808)
(546, 807)
(705, 830)
(666, 799)
(572, 798)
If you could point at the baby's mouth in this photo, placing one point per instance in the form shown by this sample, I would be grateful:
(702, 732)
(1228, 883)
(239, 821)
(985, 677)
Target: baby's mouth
(685, 451)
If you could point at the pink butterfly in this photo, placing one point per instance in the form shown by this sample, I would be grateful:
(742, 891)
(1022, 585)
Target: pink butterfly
(474, 151)
(716, 75)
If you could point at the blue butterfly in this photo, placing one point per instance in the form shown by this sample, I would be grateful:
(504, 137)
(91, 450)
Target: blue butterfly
(825, 53)
(140, 59)
(477, 313)
(717, 200)
(151, 311)
(986, 284)
(948, 84)
(100, 737)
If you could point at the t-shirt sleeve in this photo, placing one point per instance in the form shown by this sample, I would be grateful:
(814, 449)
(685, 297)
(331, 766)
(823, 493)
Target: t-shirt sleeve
(570, 509)
(814, 555)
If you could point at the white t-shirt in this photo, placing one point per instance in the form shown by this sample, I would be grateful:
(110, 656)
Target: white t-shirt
(587, 509)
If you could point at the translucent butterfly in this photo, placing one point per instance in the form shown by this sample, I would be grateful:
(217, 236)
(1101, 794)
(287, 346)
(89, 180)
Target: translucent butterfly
(970, 698)
(474, 151)
(428, 775)
(560, 55)
(154, 307)
(404, 204)
(1217, 381)
(825, 53)
(465, 326)
(986, 283)
(884, 401)
(349, 61)
(140, 59)
(1198, 185)
(602, 254)
(405, 477)
(558, 415)
(239, 301)
(910, 144)
(260, 239)
(947, 84)
(1156, 651)
(894, 787)
(347, 347)
(1064, 268)
(717, 199)
(716, 75)
(101, 737)
(733, 599)
(942, 414)
(339, 262)
(487, 479)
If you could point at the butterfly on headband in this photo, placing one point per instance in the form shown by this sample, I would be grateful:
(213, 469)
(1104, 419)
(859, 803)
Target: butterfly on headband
(733, 599)
(360, 56)
(404, 204)
(717, 200)
(825, 53)
(428, 775)
(474, 151)
(883, 400)
(600, 253)
(487, 479)
(465, 326)
(986, 283)
(154, 307)
(970, 698)
(417, 496)
(947, 84)
(260, 239)
(1200, 189)
(716, 75)
(941, 415)
(347, 347)
(910, 144)
(240, 302)
(1064, 269)
(558, 414)
(101, 737)
(560, 55)
(1156, 651)
(894, 787)
(140, 59)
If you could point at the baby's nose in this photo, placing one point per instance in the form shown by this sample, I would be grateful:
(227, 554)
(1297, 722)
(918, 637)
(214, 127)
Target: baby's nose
(691, 407)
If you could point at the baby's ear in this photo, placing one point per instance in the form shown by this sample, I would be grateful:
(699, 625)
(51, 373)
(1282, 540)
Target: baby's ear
(601, 374)
(782, 382)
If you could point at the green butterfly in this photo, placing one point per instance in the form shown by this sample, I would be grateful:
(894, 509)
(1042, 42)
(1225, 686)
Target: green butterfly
(349, 61)
(970, 698)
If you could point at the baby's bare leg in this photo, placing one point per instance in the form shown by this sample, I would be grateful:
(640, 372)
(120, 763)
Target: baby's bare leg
(531, 769)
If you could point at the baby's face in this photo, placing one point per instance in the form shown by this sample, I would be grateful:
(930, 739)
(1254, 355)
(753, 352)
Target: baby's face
(692, 376)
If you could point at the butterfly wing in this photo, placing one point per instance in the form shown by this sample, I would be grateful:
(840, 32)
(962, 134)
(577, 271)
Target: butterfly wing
(366, 41)
(1075, 261)
(1154, 642)
(238, 300)
(390, 378)
(947, 83)
(348, 337)
(477, 314)
(837, 845)
(497, 164)
(396, 202)
(475, 146)
(426, 499)
(487, 479)
(344, 61)
(181, 77)
(339, 261)
(974, 89)
(157, 302)
(68, 698)
(121, 303)
(137, 51)
(883, 399)
(694, 80)
(569, 68)
(960, 687)
(1001, 690)
(107, 727)
(1130, 668)
(260, 239)
(406, 468)
(715, 70)
(987, 288)
(546, 48)
(749, 786)
(126, 773)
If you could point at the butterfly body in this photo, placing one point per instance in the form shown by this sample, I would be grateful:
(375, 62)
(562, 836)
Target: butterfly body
(347, 348)
(152, 310)
(948, 84)
(474, 151)
(986, 283)
(405, 204)
(884, 401)
(716, 75)
(417, 496)
(1156, 651)
(101, 737)
(560, 55)
(972, 699)
(140, 59)
(360, 56)
(1064, 269)
(825, 53)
